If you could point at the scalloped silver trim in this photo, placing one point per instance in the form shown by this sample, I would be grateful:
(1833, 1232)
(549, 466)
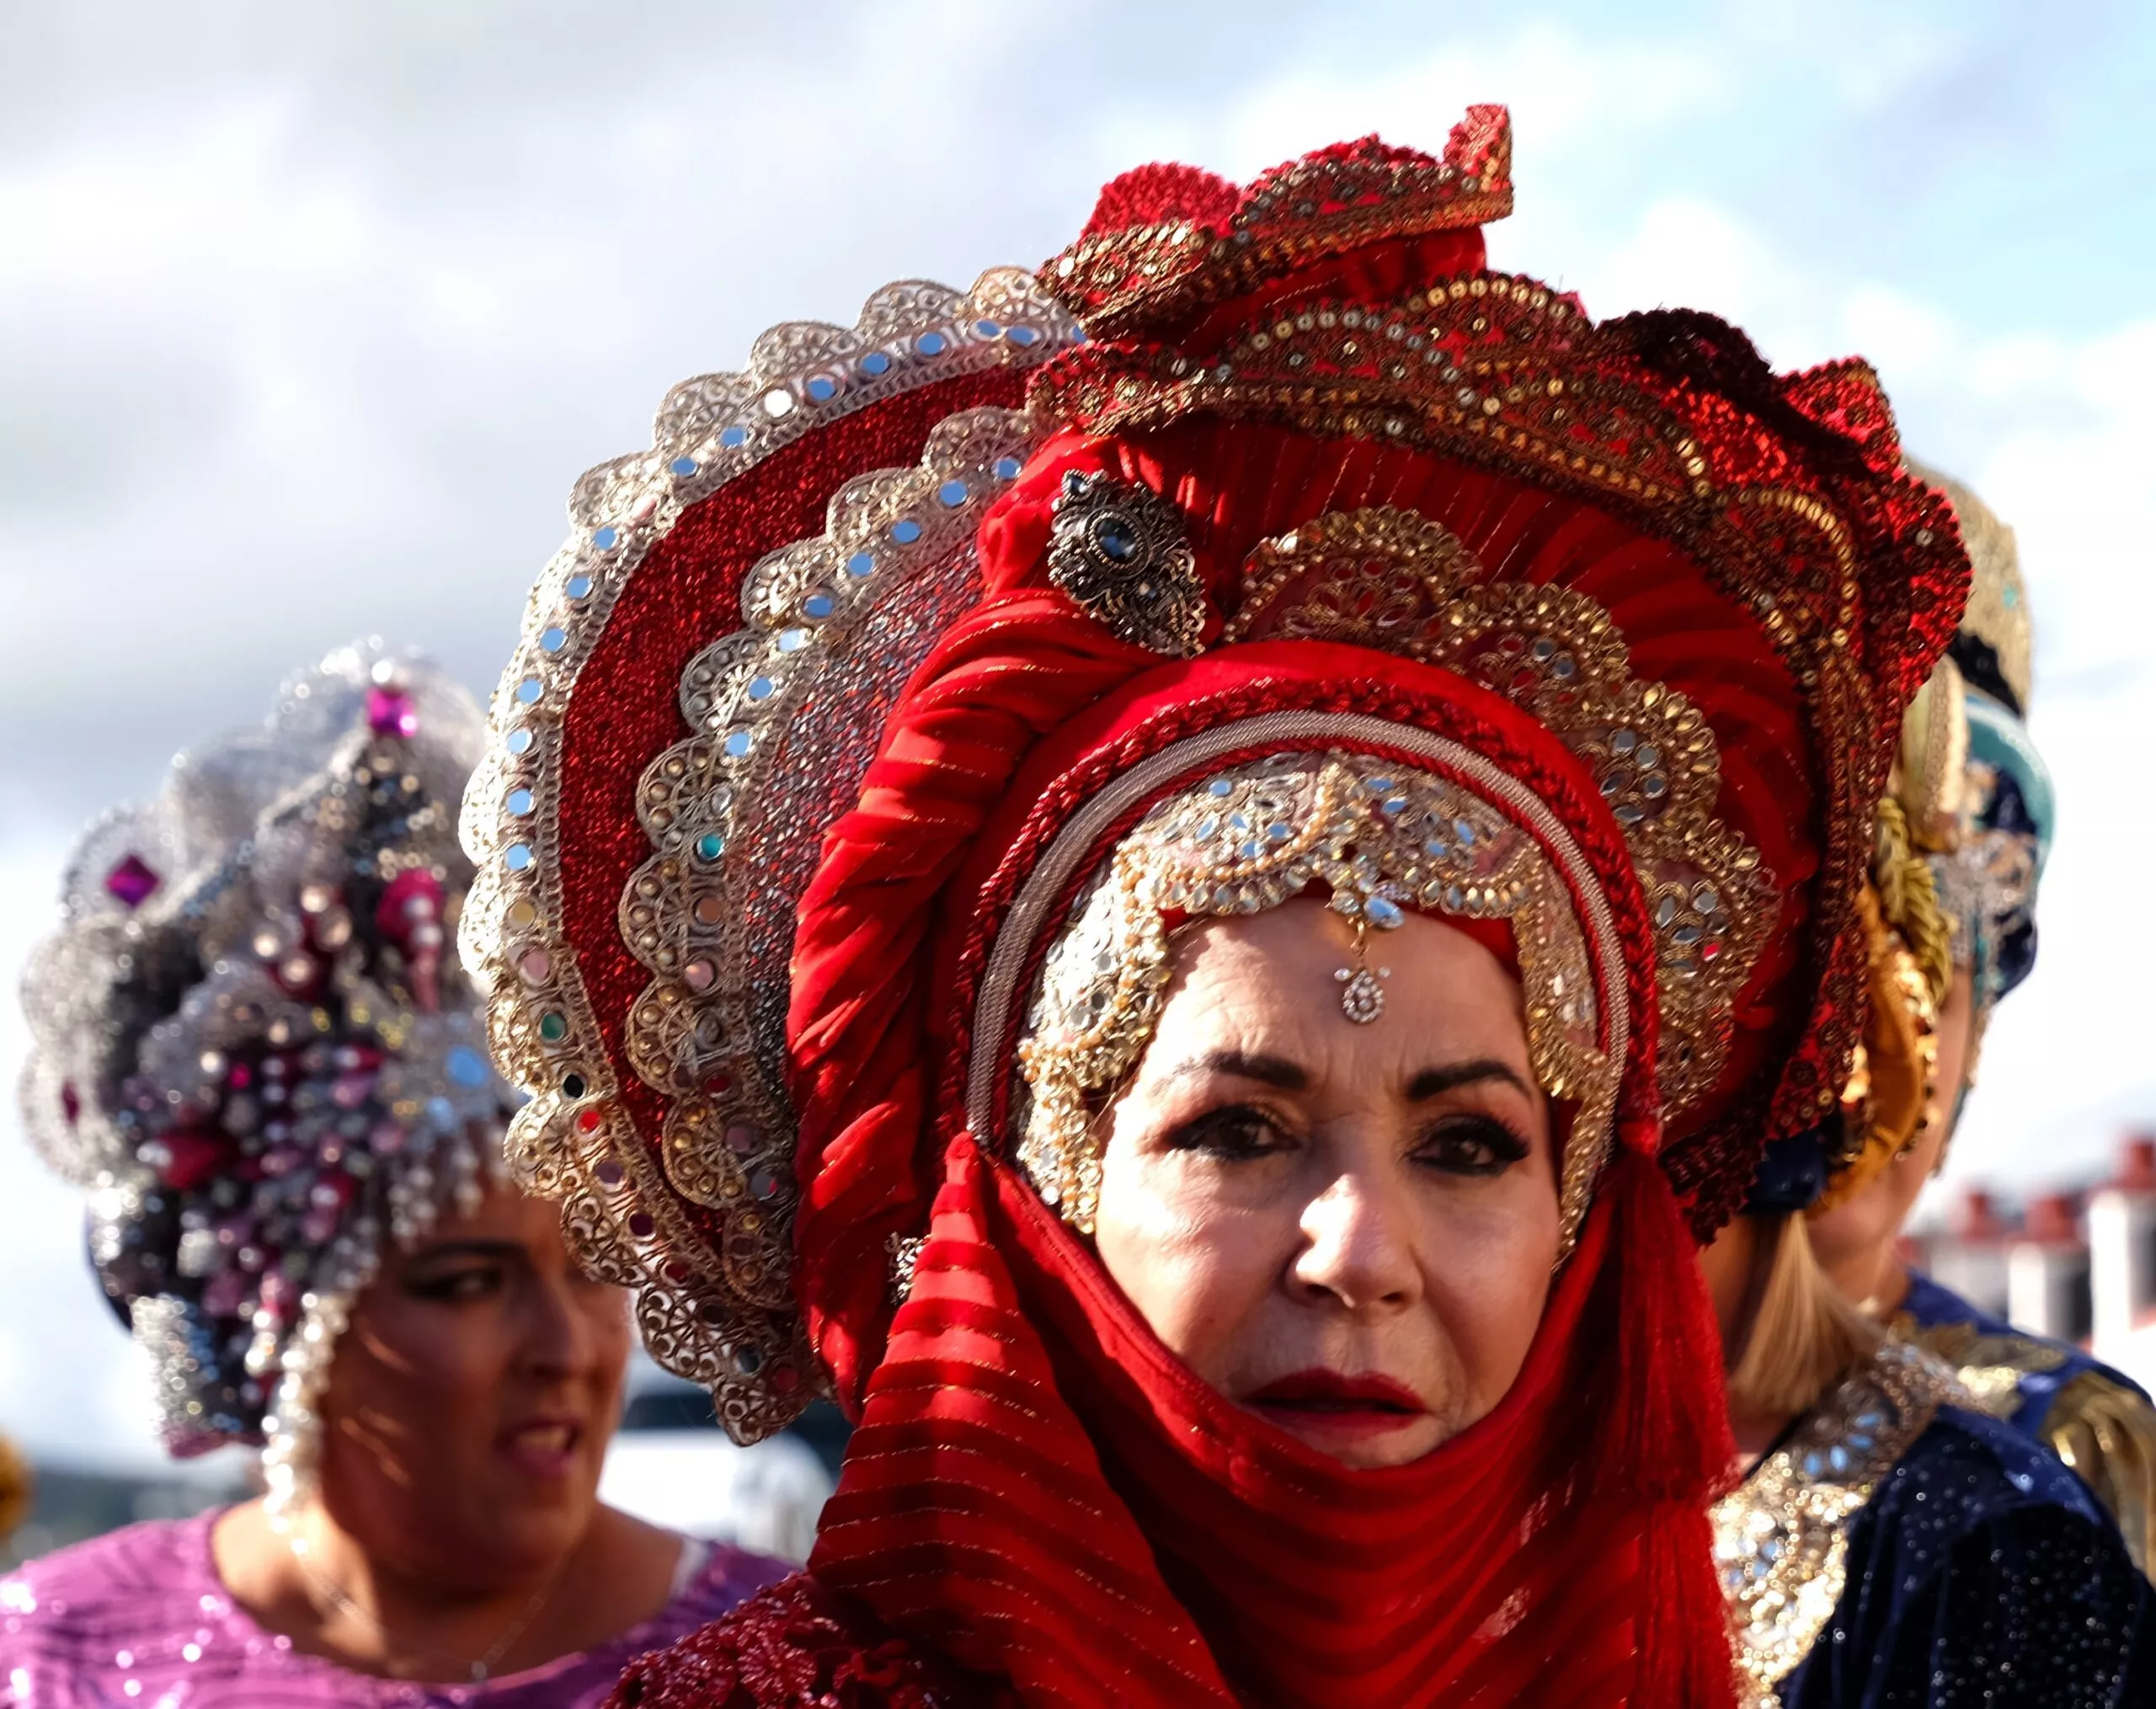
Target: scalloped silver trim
(626, 1220)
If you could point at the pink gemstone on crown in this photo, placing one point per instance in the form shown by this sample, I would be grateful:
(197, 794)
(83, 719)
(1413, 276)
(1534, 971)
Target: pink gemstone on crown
(390, 713)
(131, 881)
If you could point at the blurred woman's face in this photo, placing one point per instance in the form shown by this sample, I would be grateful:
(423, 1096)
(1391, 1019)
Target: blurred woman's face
(1347, 1229)
(1855, 1240)
(471, 1398)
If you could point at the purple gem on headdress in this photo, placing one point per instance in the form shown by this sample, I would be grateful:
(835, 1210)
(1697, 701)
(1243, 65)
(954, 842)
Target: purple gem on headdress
(390, 713)
(224, 1294)
(131, 881)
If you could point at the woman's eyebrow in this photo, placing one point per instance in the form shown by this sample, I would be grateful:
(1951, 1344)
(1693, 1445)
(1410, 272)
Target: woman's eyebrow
(1434, 1082)
(1267, 1070)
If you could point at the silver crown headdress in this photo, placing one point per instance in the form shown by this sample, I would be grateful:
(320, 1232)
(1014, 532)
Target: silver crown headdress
(254, 1046)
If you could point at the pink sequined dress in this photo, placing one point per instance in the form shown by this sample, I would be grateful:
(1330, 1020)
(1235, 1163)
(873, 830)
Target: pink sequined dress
(140, 1617)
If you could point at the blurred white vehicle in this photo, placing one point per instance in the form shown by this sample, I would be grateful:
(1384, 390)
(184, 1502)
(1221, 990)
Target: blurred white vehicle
(671, 1464)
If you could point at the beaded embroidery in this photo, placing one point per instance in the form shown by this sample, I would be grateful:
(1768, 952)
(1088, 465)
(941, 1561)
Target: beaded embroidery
(1119, 552)
(1990, 1367)
(1127, 277)
(1781, 1538)
(1381, 839)
(254, 1051)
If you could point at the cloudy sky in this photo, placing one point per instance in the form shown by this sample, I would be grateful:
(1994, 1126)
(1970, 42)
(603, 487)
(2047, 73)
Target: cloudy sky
(309, 316)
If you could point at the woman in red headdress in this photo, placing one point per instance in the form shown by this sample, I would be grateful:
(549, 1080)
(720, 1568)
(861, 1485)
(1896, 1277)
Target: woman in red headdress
(1178, 914)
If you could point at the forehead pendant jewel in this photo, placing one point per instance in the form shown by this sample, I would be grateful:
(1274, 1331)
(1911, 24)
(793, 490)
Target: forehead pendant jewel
(1361, 998)
(1119, 552)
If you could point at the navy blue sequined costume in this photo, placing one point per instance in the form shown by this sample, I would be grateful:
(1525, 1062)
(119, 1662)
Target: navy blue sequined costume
(2099, 1422)
(1898, 1547)
(1983, 1571)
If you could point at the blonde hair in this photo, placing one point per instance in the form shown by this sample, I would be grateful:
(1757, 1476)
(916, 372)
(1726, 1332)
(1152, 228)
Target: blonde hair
(1803, 1336)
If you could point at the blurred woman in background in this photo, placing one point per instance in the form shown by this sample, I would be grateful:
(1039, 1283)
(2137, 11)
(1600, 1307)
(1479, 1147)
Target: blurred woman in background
(257, 1053)
(1966, 834)
(1907, 1525)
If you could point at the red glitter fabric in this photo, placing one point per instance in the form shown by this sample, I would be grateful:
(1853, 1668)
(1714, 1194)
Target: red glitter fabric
(797, 1644)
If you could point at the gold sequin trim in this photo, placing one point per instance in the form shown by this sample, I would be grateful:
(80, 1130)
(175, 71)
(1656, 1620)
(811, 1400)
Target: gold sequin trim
(2104, 1431)
(1381, 839)
(1781, 1538)
(698, 1219)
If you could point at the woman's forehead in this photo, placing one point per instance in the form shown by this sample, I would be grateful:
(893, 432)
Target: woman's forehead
(1269, 983)
(502, 1216)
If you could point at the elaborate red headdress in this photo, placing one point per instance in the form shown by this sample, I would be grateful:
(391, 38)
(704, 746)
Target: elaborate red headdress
(781, 823)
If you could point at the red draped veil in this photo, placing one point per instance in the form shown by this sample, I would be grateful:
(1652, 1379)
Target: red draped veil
(809, 749)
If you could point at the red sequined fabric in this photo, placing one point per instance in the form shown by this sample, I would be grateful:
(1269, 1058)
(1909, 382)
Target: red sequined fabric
(1166, 241)
(797, 1646)
(627, 707)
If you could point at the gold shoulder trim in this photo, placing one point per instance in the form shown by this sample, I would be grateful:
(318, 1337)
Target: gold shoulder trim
(1781, 1538)
(2107, 1433)
(1991, 1367)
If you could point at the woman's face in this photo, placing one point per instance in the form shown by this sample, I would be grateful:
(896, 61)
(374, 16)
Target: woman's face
(471, 1398)
(1347, 1229)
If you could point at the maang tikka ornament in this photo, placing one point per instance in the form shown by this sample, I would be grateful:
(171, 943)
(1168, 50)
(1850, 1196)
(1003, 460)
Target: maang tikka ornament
(254, 1047)
(1362, 998)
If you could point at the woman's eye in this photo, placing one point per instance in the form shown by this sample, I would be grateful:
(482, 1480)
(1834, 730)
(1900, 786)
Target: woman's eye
(1233, 1133)
(1471, 1145)
(476, 1284)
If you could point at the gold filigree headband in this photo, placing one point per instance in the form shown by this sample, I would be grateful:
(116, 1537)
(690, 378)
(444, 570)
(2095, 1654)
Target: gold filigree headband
(1382, 839)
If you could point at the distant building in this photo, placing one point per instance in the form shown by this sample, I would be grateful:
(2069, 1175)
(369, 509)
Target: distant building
(2079, 1266)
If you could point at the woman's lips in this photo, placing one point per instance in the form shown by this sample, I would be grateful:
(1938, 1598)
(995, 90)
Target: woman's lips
(1330, 1401)
(542, 1447)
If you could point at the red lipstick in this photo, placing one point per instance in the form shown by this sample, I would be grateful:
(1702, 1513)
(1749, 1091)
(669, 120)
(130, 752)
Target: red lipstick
(1329, 1401)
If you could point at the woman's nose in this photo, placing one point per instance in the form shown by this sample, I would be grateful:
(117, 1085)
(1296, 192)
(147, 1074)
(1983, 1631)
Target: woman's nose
(558, 1338)
(1357, 1249)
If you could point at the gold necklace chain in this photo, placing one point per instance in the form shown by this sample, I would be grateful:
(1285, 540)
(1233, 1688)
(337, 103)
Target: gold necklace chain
(479, 1669)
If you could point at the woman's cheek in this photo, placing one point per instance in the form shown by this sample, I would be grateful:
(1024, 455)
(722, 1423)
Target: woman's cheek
(1489, 1267)
(606, 1323)
(457, 1353)
(1211, 1279)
